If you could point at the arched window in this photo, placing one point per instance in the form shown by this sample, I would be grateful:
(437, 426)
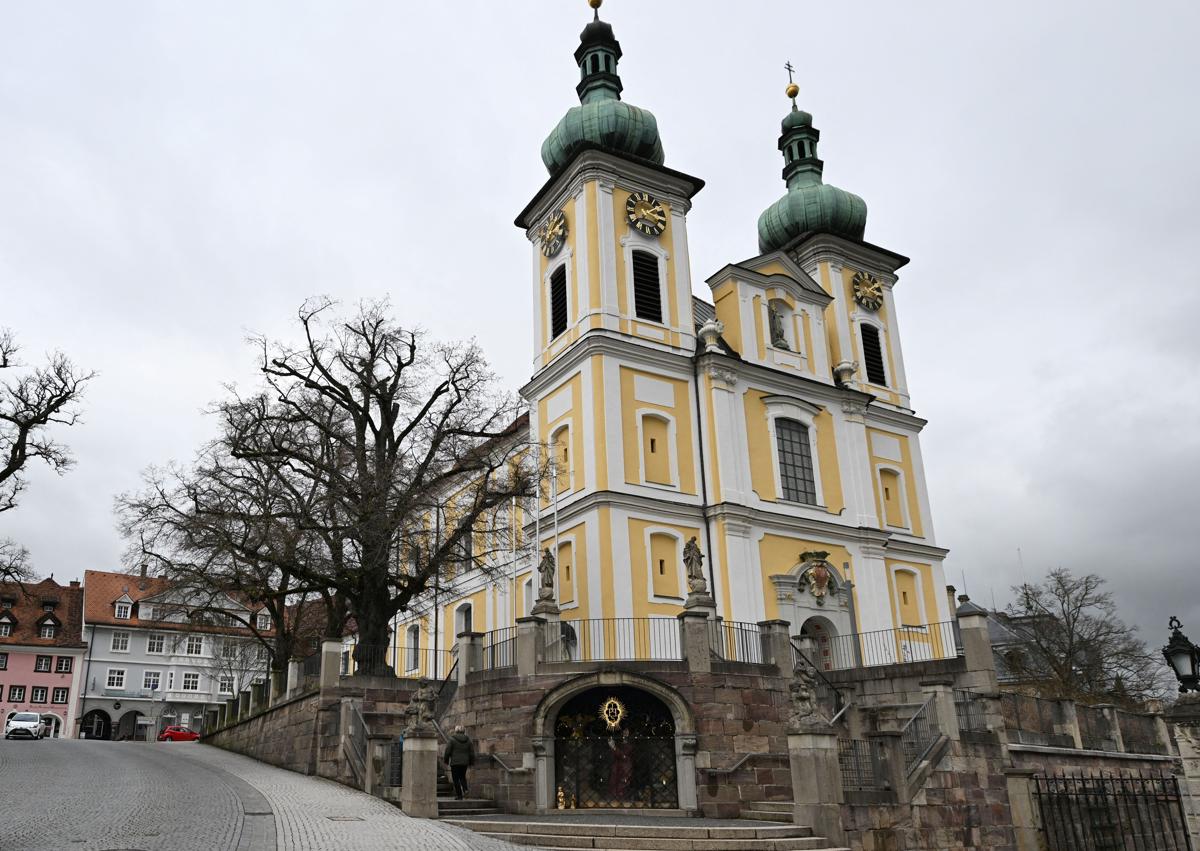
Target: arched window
(872, 349)
(795, 461)
(558, 301)
(566, 572)
(891, 494)
(413, 638)
(664, 565)
(560, 449)
(647, 296)
(656, 450)
(464, 619)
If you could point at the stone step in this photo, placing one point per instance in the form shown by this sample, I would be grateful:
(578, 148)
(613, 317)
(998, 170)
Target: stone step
(767, 815)
(670, 829)
(772, 806)
(658, 843)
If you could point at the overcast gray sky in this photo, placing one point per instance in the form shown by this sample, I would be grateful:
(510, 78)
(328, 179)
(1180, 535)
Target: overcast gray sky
(174, 176)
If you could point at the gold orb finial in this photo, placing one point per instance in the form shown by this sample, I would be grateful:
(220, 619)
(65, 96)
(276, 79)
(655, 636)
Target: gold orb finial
(792, 90)
(595, 4)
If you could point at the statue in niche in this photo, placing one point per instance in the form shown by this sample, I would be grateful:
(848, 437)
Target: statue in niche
(778, 338)
(546, 572)
(693, 560)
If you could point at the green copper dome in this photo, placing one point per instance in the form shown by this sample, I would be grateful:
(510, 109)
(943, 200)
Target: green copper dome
(602, 119)
(809, 206)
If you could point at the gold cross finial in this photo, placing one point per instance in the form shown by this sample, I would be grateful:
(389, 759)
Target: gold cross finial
(792, 89)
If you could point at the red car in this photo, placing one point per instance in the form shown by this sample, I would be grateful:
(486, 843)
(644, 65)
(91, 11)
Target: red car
(177, 734)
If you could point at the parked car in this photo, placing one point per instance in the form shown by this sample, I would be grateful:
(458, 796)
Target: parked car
(178, 734)
(23, 725)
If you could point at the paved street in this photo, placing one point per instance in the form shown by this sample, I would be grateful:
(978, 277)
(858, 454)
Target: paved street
(107, 796)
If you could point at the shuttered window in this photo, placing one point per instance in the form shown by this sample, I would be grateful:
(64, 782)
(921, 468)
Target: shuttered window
(647, 301)
(873, 355)
(795, 462)
(558, 301)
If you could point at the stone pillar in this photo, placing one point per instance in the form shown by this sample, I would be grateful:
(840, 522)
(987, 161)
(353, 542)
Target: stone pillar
(278, 681)
(777, 645)
(211, 717)
(697, 651)
(331, 664)
(976, 646)
(378, 749)
(529, 648)
(1109, 711)
(892, 767)
(943, 699)
(255, 699)
(817, 781)
(260, 694)
(685, 772)
(222, 715)
(1070, 722)
(470, 654)
(231, 710)
(418, 795)
(1184, 715)
(543, 773)
(243, 704)
(1024, 813)
(295, 675)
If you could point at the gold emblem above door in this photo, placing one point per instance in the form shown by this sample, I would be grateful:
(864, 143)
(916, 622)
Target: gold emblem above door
(646, 213)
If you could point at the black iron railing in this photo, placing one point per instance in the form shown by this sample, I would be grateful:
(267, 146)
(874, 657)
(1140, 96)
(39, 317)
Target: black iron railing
(311, 666)
(920, 734)
(969, 709)
(370, 660)
(616, 639)
(499, 649)
(863, 765)
(898, 646)
(1139, 812)
(735, 642)
(422, 662)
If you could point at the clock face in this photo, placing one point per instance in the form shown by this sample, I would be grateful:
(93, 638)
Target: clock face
(553, 233)
(867, 290)
(646, 213)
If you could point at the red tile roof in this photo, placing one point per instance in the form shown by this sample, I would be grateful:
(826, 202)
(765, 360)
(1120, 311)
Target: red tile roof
(27, 609)
(103, 589)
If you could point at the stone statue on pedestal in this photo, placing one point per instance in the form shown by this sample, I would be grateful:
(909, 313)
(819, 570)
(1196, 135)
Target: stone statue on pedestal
(804, 706)
(545, 596)
(418, 714)
(693, 560)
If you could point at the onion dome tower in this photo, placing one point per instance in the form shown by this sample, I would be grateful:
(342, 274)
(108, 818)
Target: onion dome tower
(809, 206)
(602, 120)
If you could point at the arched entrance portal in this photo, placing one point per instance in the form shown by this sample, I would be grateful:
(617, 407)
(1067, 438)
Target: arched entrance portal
(96, 725)
(614, 747)
(828, 653)
(127, 727)
(51, 725)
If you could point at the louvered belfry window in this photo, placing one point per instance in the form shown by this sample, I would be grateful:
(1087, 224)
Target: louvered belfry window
(795, 462)
(647, 301)
(873, 355)
(558, 301)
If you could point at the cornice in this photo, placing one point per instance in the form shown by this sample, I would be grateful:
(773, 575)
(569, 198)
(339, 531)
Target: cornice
(605, 342)
(690, 511)
(817, 248)
(782, 382)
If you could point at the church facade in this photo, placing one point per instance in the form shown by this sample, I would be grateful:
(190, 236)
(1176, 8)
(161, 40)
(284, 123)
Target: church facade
(769, 419)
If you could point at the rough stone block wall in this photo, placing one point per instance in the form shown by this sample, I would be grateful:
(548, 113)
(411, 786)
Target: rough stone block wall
(285, 735)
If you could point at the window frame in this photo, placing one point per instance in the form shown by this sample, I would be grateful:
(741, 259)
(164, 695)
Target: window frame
(901, 497)
(221, 680)
(162, 643)
(5, 629)
(43, 664)
(122, 606)
(35, 690)
(262, 621)
(117, 674)
(3, 660)
(49, 629)
(659, 272)
(919, 585)
(112, 645)
(64, 664)
(187, 646)
(157, 680)
(680, 572)
(565, 479)
(551, 271)
(54, 695)
(412, 638)
(672, 442)
(805, 413)
(16, 694)
(635, 241)
(183, 684)
(881, 336)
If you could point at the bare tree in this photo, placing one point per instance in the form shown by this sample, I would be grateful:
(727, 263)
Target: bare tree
(1075, 646)
(30, 404)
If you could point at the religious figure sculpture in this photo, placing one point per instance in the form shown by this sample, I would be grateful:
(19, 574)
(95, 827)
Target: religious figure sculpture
(693, 560)
(804, 707)
(546, 572)
(778, 338)
(418, 714)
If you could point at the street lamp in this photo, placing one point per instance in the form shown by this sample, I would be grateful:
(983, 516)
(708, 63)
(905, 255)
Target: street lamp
(1183, 657)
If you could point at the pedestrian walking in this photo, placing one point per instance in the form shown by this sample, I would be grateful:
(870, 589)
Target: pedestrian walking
(459, 755)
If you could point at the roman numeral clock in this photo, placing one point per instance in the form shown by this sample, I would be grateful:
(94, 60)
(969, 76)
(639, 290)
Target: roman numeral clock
(645, 213)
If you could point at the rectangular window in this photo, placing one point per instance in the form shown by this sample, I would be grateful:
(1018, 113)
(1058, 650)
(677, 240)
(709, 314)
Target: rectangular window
(263, 622)
(64, 665)
(263, 654)
(191, 682)
(558, 301)
(122, 611)
(146, 612)
(47, 630)
(120, 642)
(647, 298)
(228, 649)
(225, 684)
(38, 694)
(151, 680)
(115, 678)
(5, 630)
(16, 694)
(154, 642)
(3, 661)
(795, 462)
(195, 645)
(42, 664)
(873, 355)
(59, 695)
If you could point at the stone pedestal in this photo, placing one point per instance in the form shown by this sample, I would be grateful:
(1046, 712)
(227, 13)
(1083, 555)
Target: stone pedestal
(942, 691)
(1024, 813)
(470, 654)
(418, 795)
(697, 650)
(295, 675)
(777, 645)
(529, 649)
(817, 781)
(331, 664)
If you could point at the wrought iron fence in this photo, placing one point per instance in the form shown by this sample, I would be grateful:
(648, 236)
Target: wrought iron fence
(616, 639)
(1131, 813)
(499, 649)
(920, 734)
(829, 699)
(734, 641)
(610, 772)
(969, 709)
(863, 765)
(311, 666)
(395, 766)
(898, 646)
(370, 660)
(422, 661)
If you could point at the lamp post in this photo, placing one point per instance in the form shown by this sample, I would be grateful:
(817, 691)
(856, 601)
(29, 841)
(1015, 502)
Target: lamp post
(1184, 658)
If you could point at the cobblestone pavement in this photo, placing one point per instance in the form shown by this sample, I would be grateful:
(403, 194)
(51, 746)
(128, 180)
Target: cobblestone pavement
(57, 795)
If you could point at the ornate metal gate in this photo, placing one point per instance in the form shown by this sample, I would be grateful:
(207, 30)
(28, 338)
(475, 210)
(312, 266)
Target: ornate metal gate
(1131, 813)
(615, 748)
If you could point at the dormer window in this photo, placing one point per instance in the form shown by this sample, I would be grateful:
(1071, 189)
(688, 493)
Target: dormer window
(47, 607)
(5, 629)
(122, 611)
(47, 630)
(263, 621)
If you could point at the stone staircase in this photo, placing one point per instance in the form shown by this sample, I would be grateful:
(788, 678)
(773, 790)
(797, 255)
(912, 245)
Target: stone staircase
(645, 833)
(778, 811)
(449, 808)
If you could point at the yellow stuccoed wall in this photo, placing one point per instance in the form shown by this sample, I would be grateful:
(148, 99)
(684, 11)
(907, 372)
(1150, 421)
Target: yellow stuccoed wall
(546, 427)
(905, 465)
(762, 475)
(639, 568)
(579, 570)
(680, 411)
(778, 554)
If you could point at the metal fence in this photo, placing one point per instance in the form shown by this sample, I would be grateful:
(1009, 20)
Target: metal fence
(969, 709)
(370, 660)
(898, 646)
(616, 639)
(920, 734)
(863, 765)
(422, 661)
(395, 766)
(1131, 813)
(499, 649)
(311, 666)
(734, 641)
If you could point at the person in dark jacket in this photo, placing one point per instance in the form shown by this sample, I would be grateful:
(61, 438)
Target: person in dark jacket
(459, 755)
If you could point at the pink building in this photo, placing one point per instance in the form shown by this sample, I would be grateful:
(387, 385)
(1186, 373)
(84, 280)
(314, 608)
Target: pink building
(41, 651)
